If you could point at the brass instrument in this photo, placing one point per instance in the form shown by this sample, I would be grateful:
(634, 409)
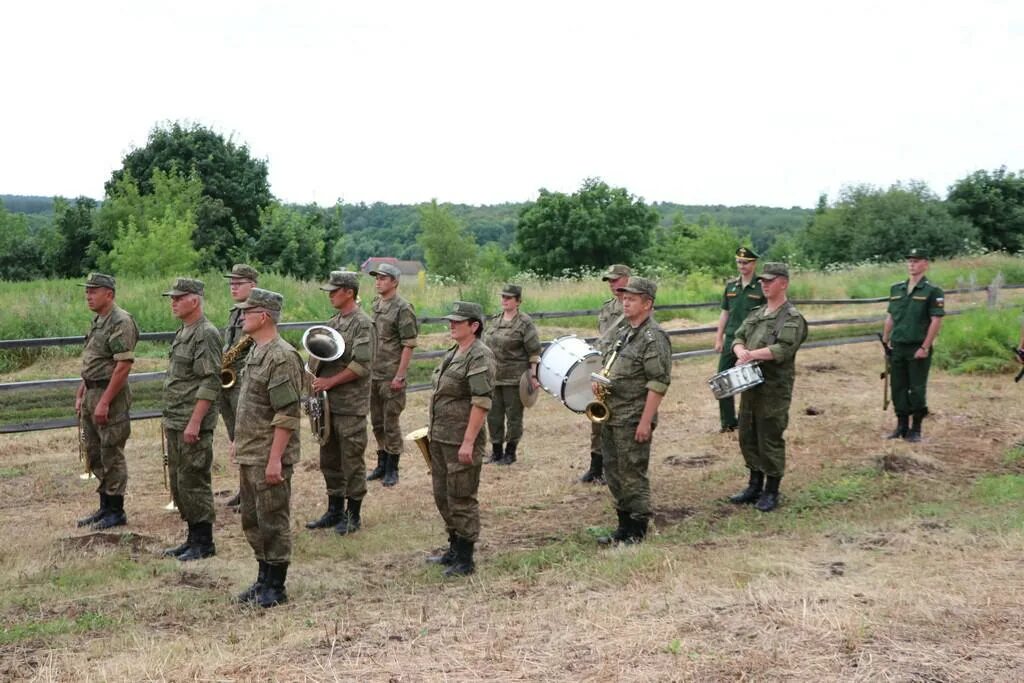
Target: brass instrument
(597, 410)
(82, 456)
(228, 376)
(324, 344)
(167, 487)
(419, 436)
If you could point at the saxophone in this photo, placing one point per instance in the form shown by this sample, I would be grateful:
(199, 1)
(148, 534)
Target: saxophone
(228, 376)
(597, 410)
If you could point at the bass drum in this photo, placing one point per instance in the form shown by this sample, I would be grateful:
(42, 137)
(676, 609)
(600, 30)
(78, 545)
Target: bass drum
(564, 371)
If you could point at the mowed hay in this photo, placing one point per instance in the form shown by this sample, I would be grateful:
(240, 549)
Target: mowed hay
(865, 572)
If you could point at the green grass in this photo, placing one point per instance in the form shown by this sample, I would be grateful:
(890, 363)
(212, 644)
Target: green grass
(87, 622)
(1014, 455)
(979, 341)
(11, 472)
(999, 489)
(838, 490)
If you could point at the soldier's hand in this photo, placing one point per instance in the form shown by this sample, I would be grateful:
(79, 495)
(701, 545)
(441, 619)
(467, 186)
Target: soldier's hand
(719, 343)
(78, 403)
(321, 384)
(920, 353)
(397, 383)
(466, 453)
(534, 383)
(102, 413)
(643, 432)
(191, 433)
(274, 472)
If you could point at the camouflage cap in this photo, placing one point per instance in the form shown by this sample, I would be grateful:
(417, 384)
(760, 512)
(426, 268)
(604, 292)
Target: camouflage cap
(99, 280)
(918, 253)
(386, 269)
(774, 270)
(466, 310)
(616, 271)
(512, 290)
(746, 254)
(243, 271)
(341, 278)
(185, 285)
(263, 298)
(640, 285)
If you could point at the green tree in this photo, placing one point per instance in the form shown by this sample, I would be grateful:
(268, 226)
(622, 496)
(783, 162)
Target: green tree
(595, 226)
(73, 221)
(706, 246)
(449, 249)
(292, 241)
(20, 250)
(994, 203)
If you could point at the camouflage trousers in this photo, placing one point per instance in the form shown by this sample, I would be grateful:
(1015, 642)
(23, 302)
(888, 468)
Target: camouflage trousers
(625, 469)
(764, 417)
(909, 380)
(505, 418)
(386, 406)
(104, 444)
(341, 458)
(595, 438)
(228, 408)
(727, 406)
(188, 475)
(455, 488)
(266, 513)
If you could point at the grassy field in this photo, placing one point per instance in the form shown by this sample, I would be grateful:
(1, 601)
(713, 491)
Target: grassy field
(887, 561)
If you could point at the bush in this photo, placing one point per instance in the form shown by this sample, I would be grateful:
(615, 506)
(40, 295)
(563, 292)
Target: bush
(978, 341)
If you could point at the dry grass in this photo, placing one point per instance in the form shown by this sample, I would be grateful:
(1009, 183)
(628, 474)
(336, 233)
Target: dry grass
(865, 574)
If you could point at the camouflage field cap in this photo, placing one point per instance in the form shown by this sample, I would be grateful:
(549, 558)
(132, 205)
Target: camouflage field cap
(774, 270)
(466, 310)
(616, 271)
(263, 298)
(512, 290)
(640, 285)
(386, 269)
(918, 253)
(243, 271)
(746, 254)
(185, 285)
(341, 278)
(99, 280)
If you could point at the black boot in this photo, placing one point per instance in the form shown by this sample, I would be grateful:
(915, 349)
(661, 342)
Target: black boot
(902, 427)
(391, 469)
(636, 531)
(114, 516)
(335, 513)
(497, 454)
(596, 472)
(378, 471)
(350, 520)
(510, 453)
(202, 543)
(463, 564)
(914, 435)
(448, 556)
(753, 490)
(769, 499)
(95, 517)
(250, 594)
(621, 532)
(235, 501)
(178, 550)
(273, 591)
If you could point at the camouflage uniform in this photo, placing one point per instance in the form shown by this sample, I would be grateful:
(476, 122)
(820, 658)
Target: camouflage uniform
(396, 329)
(515, 346)
(229, 397)
(738, 300)
(912, 312)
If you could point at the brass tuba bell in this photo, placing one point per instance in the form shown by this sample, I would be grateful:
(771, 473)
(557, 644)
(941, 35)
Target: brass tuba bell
(324, 344)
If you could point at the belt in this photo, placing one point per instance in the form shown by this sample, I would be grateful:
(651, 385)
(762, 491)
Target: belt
(96, 383)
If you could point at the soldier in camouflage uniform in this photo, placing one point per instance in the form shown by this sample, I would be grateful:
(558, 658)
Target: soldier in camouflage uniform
(638, 379)
(104, 398)
(191, 390)
(241, 280)
(347, 383)
(916, 308)
(397, 330)
(266, 445)
(742, 295)
(462, 386)
(771, 336)
(608, 320)
(512, 338)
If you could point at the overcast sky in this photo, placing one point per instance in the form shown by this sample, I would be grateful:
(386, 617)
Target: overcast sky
(481, 102)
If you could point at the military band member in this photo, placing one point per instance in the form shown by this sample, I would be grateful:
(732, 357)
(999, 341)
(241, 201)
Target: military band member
(462, 386)
(608, 320)
(241, 280)
(347, 383)
(638, 379)
(397, 330)
(104, 398)
(512, 338)
(266, 445)
(770, 336)
(191, 390)
(914, 318)
(742, 294)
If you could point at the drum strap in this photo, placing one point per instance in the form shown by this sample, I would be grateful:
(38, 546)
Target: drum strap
(784, 313)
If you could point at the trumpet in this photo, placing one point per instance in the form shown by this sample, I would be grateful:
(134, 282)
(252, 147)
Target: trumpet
(324, 344)
(228, 376)
(420, 438)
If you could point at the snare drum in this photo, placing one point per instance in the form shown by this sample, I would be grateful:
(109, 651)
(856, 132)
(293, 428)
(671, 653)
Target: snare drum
(564, 371)
(735, 380)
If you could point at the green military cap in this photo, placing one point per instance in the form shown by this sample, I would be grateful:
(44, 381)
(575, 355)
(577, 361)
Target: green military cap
(262, 298)
(774, 270)
(512, 290)
(341, 278)
(466, 310)
(746, 254)
(99, 280)
(918, 253)
(386, 269)
(640, 285)
(616, 271)
(243, 271)
(185, 285)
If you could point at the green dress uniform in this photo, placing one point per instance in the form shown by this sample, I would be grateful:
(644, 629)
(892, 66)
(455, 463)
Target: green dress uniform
(229, 397)
(739, 300)
(396, 327)
(515, 345)
(912, 311)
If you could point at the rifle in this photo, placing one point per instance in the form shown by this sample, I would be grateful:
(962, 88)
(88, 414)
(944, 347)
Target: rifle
(1020, 357)
(885, 372)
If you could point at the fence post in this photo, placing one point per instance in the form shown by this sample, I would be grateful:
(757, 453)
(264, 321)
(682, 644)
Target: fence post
(993, 289)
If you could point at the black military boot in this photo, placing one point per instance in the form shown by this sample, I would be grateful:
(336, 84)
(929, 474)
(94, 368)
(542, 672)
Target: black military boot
(510, 453)
(448, 556)
(636, 531)
(334, 514)
(235, 501)
(178, 550)
(769, 499)
(914, 435)
(902, 427)
(94, 517)
(273, 591)
(114, 516)
(250, 594)
(202, 543)
(621, 532)
(391, 469)
(753, 490)
(350, 521)
(378, 471)
(463, 563)
(497, 454)
(596, 472)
